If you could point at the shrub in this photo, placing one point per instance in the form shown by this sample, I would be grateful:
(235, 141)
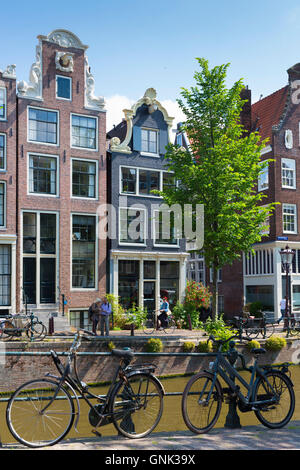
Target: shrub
(111, 346)
(275, 343)
(204, 347)
(252, 344)
(219, 329)
(154, 345)
(196, 297)
(118, 311)
(188, 346)
(180, 315)
(255, 309)
(136, 315)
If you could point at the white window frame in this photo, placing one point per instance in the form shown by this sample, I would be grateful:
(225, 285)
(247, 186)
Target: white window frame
(38, 255)
(56, 89)
(145, 226)
(293, 170)
(4, 118)
(3, 227)
(264, 172)
(151, 154)
(96, 179)
(161, 245)
(84, 289)
(57, 128)
(284, 205)
(137, 168)
(219, 275)
(38, 154)
(97, 131)
(5, 151)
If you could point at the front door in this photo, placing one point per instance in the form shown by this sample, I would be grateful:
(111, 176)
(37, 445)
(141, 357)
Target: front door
(47, 280)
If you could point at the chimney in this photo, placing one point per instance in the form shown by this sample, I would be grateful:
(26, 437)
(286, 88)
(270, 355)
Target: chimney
(246, 111)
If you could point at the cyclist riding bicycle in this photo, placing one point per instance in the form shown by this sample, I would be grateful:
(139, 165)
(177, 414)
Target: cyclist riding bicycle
(164, 312)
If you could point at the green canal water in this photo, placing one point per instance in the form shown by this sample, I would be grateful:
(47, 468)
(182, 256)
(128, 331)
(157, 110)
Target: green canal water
(171, 420)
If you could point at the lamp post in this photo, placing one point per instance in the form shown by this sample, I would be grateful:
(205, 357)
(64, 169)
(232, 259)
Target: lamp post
(287, 256)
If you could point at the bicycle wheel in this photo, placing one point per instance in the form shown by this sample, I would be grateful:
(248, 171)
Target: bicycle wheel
(269, 331)
(137, 405)
(33, 419)
(149, 325)
(252, 332)
(171, 325)
(279, 413)
(37, 331)
(201, 403)
(6, 329)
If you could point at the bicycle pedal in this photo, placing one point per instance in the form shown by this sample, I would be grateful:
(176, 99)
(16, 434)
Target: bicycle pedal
(97, 433)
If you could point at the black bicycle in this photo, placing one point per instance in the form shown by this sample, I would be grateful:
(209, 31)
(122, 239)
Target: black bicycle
(152, 324)
(253, 327)
(269, 393)
(34, 329)
(41, 412)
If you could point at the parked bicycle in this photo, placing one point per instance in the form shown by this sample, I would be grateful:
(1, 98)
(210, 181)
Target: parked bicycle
(41, 412)
(253, 327)
(269, 392)
(152, 323)
(34, 329)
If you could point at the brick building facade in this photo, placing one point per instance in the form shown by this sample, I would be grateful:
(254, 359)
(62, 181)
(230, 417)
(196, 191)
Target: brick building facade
(55, 179)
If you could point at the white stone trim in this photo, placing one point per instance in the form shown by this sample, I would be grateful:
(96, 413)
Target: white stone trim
(150, 100)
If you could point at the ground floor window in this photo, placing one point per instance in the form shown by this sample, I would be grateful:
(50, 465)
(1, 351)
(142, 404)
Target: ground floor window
(5, 275)
(128, 283)
(263, 294)
(39, 257)
(83, 251)
(141, 282)
(80, 319)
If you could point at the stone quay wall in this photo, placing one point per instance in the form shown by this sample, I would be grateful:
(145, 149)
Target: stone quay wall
(17, 368)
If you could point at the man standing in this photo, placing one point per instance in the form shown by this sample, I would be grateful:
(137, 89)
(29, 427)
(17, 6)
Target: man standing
(94, 314)
(105, 311)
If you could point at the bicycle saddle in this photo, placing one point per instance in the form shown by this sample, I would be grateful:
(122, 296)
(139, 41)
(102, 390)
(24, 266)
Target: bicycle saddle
(258, 351)
(127, 355)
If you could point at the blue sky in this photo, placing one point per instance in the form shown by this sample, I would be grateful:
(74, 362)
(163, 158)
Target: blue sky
(134, 45)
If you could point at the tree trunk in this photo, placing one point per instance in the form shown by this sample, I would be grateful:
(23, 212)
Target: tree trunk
(215, 293)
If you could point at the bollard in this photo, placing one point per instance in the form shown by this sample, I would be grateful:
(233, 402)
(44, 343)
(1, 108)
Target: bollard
(51, 325)
(232, 418)
(132, 329)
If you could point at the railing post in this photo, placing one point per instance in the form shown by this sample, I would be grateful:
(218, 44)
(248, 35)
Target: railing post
(232, 418)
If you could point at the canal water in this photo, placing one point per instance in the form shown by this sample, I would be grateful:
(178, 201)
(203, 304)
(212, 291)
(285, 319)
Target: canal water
(171, 419)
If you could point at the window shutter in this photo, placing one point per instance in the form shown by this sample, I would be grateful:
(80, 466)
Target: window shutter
(163, 141)
(137, 138)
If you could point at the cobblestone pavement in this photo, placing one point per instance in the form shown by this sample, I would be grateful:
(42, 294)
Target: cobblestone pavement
(247, 438)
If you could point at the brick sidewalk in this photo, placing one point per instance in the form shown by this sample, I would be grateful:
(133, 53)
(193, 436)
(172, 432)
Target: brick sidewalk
(247, 438)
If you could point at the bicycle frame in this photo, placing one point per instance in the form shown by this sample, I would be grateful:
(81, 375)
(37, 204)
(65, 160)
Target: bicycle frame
(77, 387)
(222, 367)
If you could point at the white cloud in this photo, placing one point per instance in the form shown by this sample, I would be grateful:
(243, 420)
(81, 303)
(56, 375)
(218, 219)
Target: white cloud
(117, 103)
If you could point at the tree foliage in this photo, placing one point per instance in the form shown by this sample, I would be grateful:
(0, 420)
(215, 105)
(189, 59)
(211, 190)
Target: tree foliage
(220, 168)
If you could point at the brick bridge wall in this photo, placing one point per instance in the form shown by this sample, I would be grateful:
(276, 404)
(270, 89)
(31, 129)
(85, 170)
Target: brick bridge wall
(16, 369)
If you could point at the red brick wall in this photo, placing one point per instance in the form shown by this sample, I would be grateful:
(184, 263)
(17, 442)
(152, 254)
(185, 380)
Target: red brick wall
(64, 204)
(8, 127)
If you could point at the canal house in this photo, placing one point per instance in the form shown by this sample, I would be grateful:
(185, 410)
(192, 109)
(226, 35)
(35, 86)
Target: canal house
(149, 264)
(61, 176)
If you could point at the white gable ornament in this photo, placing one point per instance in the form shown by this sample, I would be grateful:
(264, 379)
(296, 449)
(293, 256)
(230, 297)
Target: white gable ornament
(288, 139)
(64, 61)
(153, 104)
(33, 89)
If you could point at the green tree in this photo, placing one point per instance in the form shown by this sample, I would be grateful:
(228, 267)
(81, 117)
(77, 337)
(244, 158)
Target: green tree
(219, 170)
